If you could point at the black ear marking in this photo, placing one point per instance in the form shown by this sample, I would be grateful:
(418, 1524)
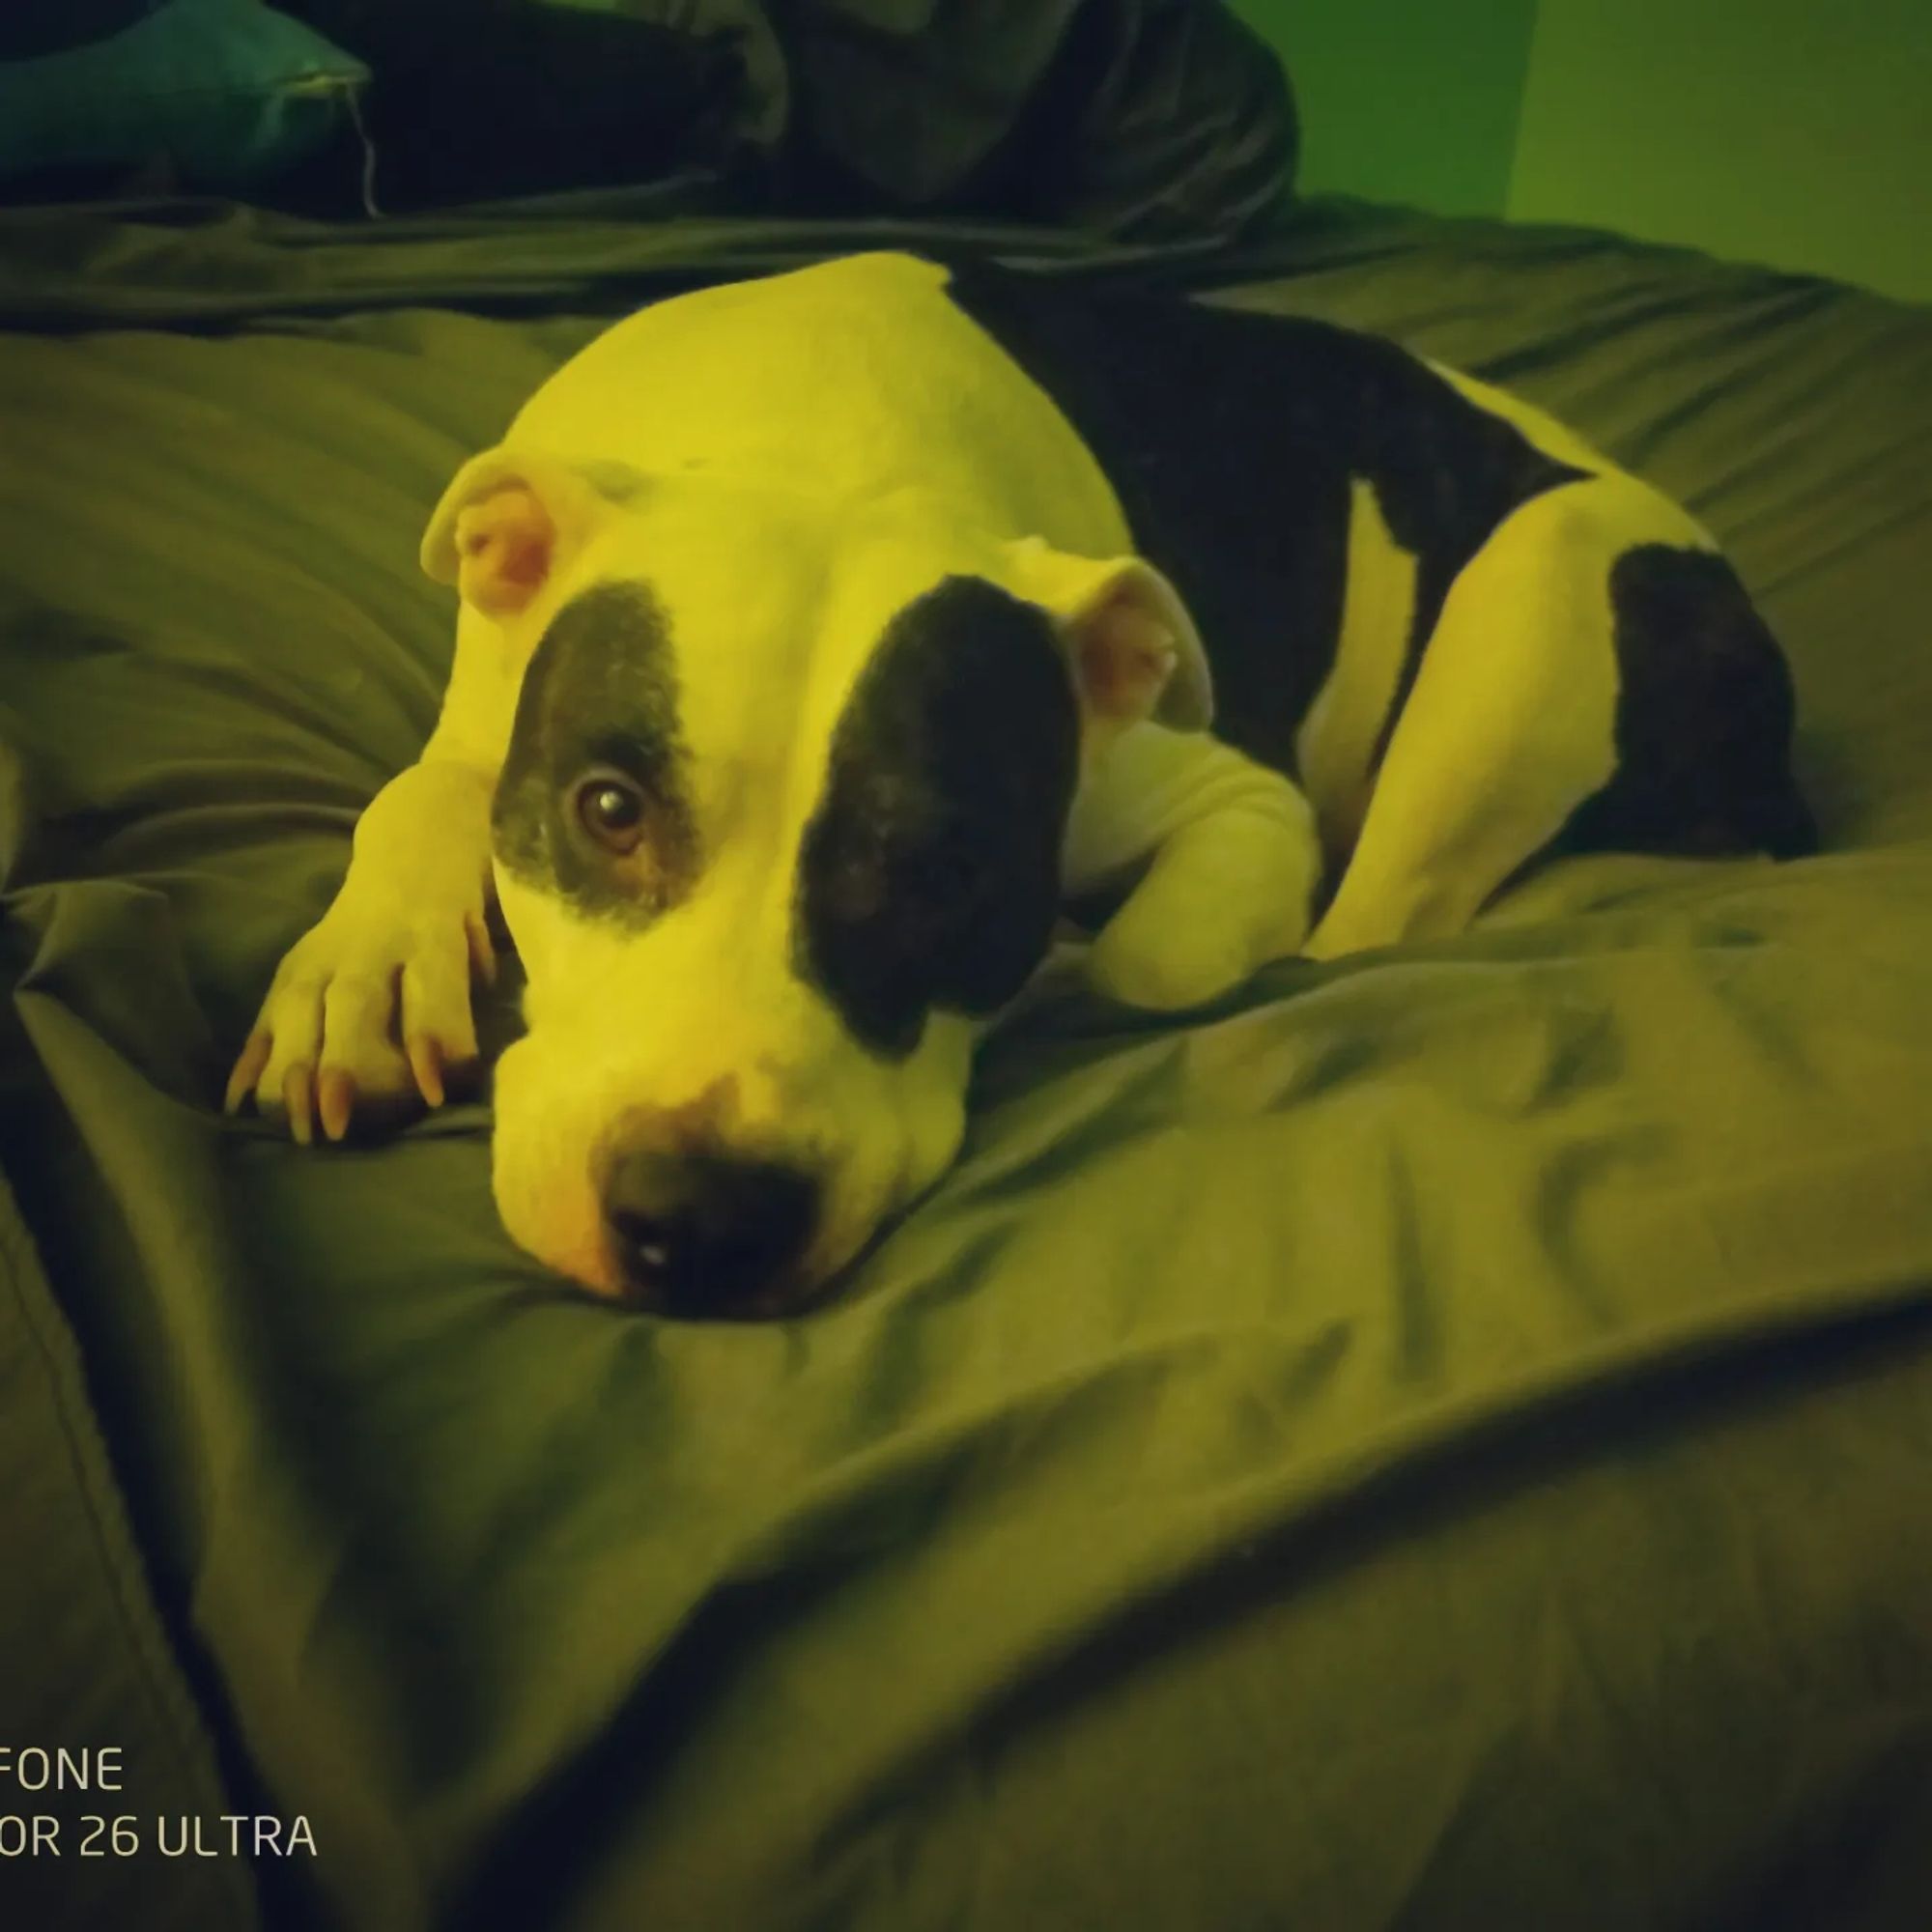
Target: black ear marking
(929, 875)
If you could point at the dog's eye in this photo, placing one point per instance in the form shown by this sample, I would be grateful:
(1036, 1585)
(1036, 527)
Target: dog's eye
(612, 813)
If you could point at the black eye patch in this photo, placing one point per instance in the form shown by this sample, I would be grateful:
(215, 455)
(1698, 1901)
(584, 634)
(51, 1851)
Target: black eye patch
(597, 716)
(929, 875)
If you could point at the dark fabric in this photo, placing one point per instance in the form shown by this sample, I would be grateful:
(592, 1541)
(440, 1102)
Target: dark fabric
(1142, 119)
(31, 28)
(1444, 1439)
(215, 95)
(484, 99)
(1147, 120)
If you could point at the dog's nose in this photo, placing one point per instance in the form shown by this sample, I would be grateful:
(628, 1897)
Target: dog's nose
(700, 1235)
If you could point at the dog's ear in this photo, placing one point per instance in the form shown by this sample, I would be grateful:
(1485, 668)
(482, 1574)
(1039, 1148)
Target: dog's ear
(1132, 647)
(510, 519)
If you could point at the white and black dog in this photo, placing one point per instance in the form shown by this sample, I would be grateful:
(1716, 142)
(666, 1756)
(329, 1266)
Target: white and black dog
(821, 635)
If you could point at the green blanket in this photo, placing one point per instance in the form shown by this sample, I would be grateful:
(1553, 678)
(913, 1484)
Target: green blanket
(1441, 1440)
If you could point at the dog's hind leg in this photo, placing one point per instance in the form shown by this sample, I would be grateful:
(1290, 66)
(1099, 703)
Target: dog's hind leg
(1512, 721)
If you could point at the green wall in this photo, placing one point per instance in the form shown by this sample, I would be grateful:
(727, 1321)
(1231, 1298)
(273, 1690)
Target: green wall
(1797, 132)
(1404, 100)
(1788, 131)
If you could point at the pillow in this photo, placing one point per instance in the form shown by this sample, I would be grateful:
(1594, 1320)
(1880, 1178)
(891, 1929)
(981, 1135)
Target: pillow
(1145, 120)
(476, 100)
(47, 27)
(226, 93)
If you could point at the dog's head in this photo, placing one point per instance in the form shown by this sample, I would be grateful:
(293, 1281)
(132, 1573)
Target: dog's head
(778, 830)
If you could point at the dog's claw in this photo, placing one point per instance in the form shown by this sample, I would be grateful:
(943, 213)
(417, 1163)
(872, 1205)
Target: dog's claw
(426, 1064)
(482, 953)
(247, 1070)
(299, 1098)
(335, 1100)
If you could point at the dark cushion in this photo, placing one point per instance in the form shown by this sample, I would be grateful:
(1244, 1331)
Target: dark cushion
(1149, 120)
(223, 94)
(1145, 119)
(477, 100)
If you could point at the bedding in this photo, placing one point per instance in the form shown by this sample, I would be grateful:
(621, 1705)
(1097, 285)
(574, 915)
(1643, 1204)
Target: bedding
(1440, 1439)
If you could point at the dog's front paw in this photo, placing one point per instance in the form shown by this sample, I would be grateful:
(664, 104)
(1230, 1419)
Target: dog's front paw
(369, 1010)
(1170, 970)
(1228, 890)
(1186, 936)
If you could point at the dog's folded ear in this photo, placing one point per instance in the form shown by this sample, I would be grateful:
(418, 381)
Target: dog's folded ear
(1132, 647)
(510, 519)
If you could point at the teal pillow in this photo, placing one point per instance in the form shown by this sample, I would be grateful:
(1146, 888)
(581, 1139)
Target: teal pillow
(228, 92)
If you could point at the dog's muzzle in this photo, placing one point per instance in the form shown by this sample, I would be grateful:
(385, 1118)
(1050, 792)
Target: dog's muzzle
(705, 1234)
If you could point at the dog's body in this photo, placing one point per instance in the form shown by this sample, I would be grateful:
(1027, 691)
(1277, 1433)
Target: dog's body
(820, 635)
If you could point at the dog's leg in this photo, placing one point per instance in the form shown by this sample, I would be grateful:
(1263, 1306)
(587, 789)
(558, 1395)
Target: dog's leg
(1511, 722)
(1235, 861)
(373, 1004)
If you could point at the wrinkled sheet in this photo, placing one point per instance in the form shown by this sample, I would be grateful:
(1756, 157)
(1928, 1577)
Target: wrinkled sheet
(1440, 1439)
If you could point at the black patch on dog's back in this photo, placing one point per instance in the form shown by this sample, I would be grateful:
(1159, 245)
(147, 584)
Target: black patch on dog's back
(929, 875)
(1705, 710)
(1231, 439)
(600, 694)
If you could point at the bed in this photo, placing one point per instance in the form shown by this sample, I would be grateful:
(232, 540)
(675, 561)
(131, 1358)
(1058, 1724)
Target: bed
(1438, 1441)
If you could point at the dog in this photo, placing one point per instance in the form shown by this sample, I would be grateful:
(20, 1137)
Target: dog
(821, 636)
